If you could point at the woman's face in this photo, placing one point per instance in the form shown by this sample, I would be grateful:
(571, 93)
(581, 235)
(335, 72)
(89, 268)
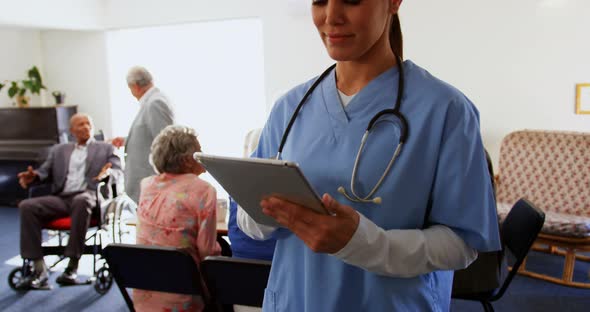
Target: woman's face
(351, 29)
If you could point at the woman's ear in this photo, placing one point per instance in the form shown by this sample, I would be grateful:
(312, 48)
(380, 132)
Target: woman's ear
(193, 166)
(394, 6)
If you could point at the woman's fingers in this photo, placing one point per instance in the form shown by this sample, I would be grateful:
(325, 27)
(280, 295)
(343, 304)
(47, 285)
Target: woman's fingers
(321, 233)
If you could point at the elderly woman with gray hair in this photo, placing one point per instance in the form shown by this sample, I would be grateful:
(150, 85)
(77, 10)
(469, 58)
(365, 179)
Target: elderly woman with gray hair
(176, 209)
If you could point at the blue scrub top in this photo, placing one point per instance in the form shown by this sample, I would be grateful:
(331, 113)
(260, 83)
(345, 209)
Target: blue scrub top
(441, 173)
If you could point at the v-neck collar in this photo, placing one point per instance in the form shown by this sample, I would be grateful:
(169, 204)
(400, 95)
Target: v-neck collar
(331, 99)
(361, 101)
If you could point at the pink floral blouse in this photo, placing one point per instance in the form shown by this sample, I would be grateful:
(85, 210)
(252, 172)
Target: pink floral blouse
(176, 210)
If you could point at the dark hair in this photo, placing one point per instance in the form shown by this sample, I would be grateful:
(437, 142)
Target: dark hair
(395, 37)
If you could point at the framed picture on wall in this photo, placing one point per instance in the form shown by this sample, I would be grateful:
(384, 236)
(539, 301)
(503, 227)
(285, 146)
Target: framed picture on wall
(583, 98)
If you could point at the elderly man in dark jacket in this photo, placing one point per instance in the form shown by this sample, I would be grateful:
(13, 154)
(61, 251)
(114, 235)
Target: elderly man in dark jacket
(74, 169)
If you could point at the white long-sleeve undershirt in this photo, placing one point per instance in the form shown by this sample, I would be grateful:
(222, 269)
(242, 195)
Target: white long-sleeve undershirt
(397, 253)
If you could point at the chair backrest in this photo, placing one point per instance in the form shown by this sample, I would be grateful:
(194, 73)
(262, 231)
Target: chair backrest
(164, 269)
(99, 135)
(235, 281)
(225, 246)
(518, 232)
(491, 171)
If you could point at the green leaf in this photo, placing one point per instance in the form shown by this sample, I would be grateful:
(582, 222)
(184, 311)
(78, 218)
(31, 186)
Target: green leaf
(28, 84)
(31, 86)
(36, 80)
(34, 74)
(12, 92)
(14, 89)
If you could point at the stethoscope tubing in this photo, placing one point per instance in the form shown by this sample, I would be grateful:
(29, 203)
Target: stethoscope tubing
(395, 111)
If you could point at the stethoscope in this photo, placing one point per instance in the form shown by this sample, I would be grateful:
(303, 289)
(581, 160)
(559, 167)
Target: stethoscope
(403, 136)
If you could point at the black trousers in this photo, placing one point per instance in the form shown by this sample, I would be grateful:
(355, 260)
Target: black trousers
(35, 212)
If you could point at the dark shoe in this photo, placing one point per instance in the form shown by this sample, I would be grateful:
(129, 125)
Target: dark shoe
(67, 278)
(34, 281)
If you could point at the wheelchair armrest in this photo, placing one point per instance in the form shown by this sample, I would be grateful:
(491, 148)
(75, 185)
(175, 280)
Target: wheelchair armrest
(107, 181)
(106, 188)
(104, 181)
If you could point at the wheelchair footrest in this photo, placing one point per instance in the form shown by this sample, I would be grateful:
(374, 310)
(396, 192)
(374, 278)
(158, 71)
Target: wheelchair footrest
(78, 282)
(45, 287)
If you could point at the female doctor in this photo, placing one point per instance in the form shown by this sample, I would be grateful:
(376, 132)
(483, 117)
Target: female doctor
(410, 199)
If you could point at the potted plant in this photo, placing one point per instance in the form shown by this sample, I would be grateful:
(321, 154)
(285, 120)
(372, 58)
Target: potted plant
(19, 88)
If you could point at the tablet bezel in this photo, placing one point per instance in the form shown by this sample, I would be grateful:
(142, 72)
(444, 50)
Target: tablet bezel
(249, 180)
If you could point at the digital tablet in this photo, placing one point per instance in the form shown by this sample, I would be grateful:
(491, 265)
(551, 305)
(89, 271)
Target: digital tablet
(249, 180)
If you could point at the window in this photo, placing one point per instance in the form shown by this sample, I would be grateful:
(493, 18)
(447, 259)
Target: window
(213, 73)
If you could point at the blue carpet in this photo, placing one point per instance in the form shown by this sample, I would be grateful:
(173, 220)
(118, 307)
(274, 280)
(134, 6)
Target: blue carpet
(529, 294)
(77, 298)
(524, 294)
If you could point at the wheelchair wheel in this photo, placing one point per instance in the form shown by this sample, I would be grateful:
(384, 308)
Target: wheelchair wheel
(104, 280)
(15, 276)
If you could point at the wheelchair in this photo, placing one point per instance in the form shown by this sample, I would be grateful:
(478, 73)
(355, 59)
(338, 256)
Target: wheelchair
(105, 215)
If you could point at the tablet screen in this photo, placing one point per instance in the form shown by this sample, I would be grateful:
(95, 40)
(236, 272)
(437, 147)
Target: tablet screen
(249, 180)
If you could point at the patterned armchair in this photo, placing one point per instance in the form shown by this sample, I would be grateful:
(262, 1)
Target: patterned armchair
(552, 170)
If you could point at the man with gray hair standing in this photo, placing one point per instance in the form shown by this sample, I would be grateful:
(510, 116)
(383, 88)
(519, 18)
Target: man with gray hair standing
(155, 114)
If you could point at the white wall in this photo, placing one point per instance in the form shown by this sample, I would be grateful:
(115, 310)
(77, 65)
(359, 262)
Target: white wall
(21, 50)
(517, 60)
(53, 14)
(292, 51)
(213, 89)
(70, 61)
(75, 62)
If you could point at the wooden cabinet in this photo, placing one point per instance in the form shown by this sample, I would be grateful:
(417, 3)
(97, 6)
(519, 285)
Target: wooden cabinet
(26, 135)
